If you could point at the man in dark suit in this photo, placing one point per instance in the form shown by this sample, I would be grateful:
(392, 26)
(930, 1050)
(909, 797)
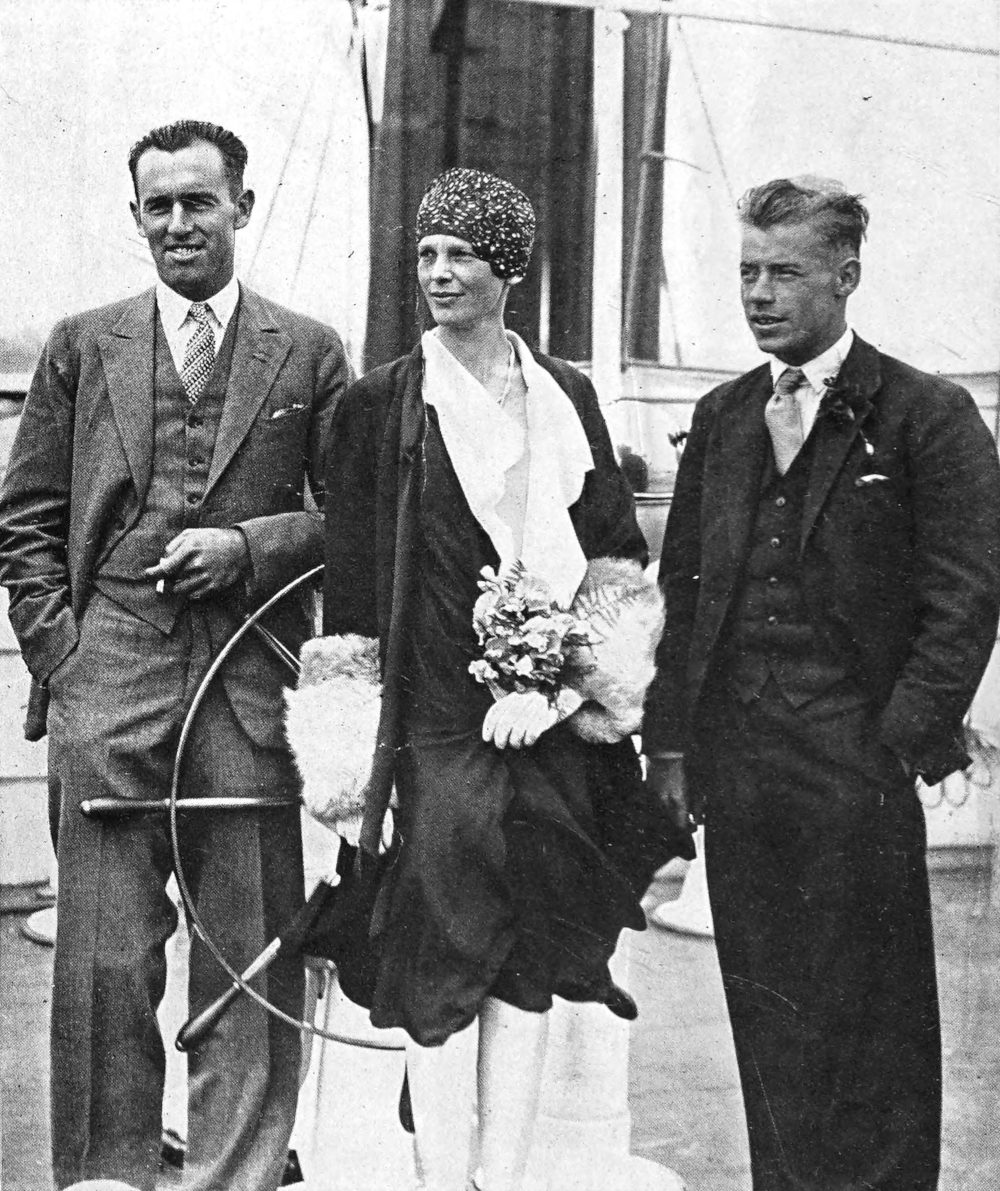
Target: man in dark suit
(831, 568)
(155, 495)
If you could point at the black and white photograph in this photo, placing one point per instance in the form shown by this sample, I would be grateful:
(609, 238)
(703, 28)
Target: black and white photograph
(499, 595)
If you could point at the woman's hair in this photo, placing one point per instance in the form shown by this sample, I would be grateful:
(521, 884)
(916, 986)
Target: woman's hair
(490, 213)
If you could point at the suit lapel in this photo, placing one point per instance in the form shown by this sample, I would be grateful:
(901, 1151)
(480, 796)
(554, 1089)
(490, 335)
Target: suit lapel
(127, 359)
(859, 378)
(734, 483)
(260, 349)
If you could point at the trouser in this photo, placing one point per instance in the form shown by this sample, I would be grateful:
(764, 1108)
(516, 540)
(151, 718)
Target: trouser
(117, 705)
(815, 848)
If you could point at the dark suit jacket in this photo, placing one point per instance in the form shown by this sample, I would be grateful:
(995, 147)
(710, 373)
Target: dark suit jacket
(372, 472)
(899, 548)
(81, 463)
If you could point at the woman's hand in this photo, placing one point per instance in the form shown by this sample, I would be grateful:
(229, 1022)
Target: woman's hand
(517, 720)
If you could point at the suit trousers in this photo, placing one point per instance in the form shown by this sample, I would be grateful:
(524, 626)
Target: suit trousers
(816, 858)
(117, 706)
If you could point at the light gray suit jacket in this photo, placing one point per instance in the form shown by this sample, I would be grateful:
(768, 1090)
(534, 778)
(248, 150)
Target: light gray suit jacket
(82, 460)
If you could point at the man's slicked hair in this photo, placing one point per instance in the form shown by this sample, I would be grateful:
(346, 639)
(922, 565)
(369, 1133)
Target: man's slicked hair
(184, 133)
(842, 218)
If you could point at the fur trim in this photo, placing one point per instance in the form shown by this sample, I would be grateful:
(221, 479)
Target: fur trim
(626, 609)
(331, 723)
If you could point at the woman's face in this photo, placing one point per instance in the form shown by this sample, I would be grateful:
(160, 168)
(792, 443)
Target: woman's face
(461, 290)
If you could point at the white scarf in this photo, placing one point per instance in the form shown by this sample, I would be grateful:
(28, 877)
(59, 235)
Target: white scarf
(483, 443)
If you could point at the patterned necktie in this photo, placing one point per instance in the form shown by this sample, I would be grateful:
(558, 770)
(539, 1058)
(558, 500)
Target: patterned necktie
(199, 355)
(784, 418)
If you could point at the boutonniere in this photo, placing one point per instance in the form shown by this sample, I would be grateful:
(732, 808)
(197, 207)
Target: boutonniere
(841, 401)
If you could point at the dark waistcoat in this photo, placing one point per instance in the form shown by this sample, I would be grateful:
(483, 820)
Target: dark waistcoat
(183, 442)
(771, 634)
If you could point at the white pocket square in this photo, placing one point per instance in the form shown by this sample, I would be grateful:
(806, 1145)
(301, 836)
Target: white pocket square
(286, 410)
(874, 477)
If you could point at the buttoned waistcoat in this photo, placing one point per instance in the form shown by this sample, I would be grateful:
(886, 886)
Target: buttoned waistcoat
(82, 462)
(898, 552)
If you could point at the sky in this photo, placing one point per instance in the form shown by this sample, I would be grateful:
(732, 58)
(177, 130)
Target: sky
(81, 80)
(914, 130)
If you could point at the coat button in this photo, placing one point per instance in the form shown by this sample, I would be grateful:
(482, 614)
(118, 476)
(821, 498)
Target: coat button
(192, 498)
(772, 620)
(772, 581)
(775, 543)
(781, 502)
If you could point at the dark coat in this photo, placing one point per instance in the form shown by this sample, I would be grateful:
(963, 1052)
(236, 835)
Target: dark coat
(82, 459)
(373, 468)
(899, 549)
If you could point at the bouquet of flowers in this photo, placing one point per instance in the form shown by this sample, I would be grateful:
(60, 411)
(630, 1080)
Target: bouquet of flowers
(594, 663)
(525, 637)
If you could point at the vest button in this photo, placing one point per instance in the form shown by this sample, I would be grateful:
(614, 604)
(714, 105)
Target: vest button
(773, 581)
(194, 461)
(772, 620)
(195, 420)
(781, 502)
(192, 498)
(775, 543)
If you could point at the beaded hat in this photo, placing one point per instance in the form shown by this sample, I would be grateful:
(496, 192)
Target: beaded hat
(490, 213)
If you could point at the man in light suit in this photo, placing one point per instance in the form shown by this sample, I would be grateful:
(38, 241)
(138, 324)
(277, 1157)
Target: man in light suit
(831, 567)
(155, 495)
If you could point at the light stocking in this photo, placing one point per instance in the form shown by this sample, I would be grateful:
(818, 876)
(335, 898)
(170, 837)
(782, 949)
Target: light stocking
(511, 1056)
(442, 1089)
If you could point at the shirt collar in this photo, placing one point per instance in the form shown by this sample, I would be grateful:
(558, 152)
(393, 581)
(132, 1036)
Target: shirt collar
(823, 367)
(174, 307)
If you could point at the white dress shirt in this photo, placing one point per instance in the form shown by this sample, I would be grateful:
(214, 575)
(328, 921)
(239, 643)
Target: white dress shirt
(817, 373)
(178, 326)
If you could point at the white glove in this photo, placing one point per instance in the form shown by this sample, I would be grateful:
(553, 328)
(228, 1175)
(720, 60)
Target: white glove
(517, 720)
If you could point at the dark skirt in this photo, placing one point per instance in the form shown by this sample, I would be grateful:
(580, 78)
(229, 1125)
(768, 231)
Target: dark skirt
(516, 872)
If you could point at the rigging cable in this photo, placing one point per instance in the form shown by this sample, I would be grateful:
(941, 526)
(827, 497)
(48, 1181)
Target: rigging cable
(707, 115)
(292, 142)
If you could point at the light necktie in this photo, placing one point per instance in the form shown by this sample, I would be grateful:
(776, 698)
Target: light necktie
(784, 418)
(199, 355)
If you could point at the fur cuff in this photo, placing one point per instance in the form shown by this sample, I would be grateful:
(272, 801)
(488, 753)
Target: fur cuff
(626, 610)
(331, 723)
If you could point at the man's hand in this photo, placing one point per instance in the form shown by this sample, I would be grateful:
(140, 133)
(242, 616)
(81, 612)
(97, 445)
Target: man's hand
(202, 562)
(665, 777)
(518, 720)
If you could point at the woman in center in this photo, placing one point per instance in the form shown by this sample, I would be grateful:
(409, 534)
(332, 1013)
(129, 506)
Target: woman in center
(523, 849)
